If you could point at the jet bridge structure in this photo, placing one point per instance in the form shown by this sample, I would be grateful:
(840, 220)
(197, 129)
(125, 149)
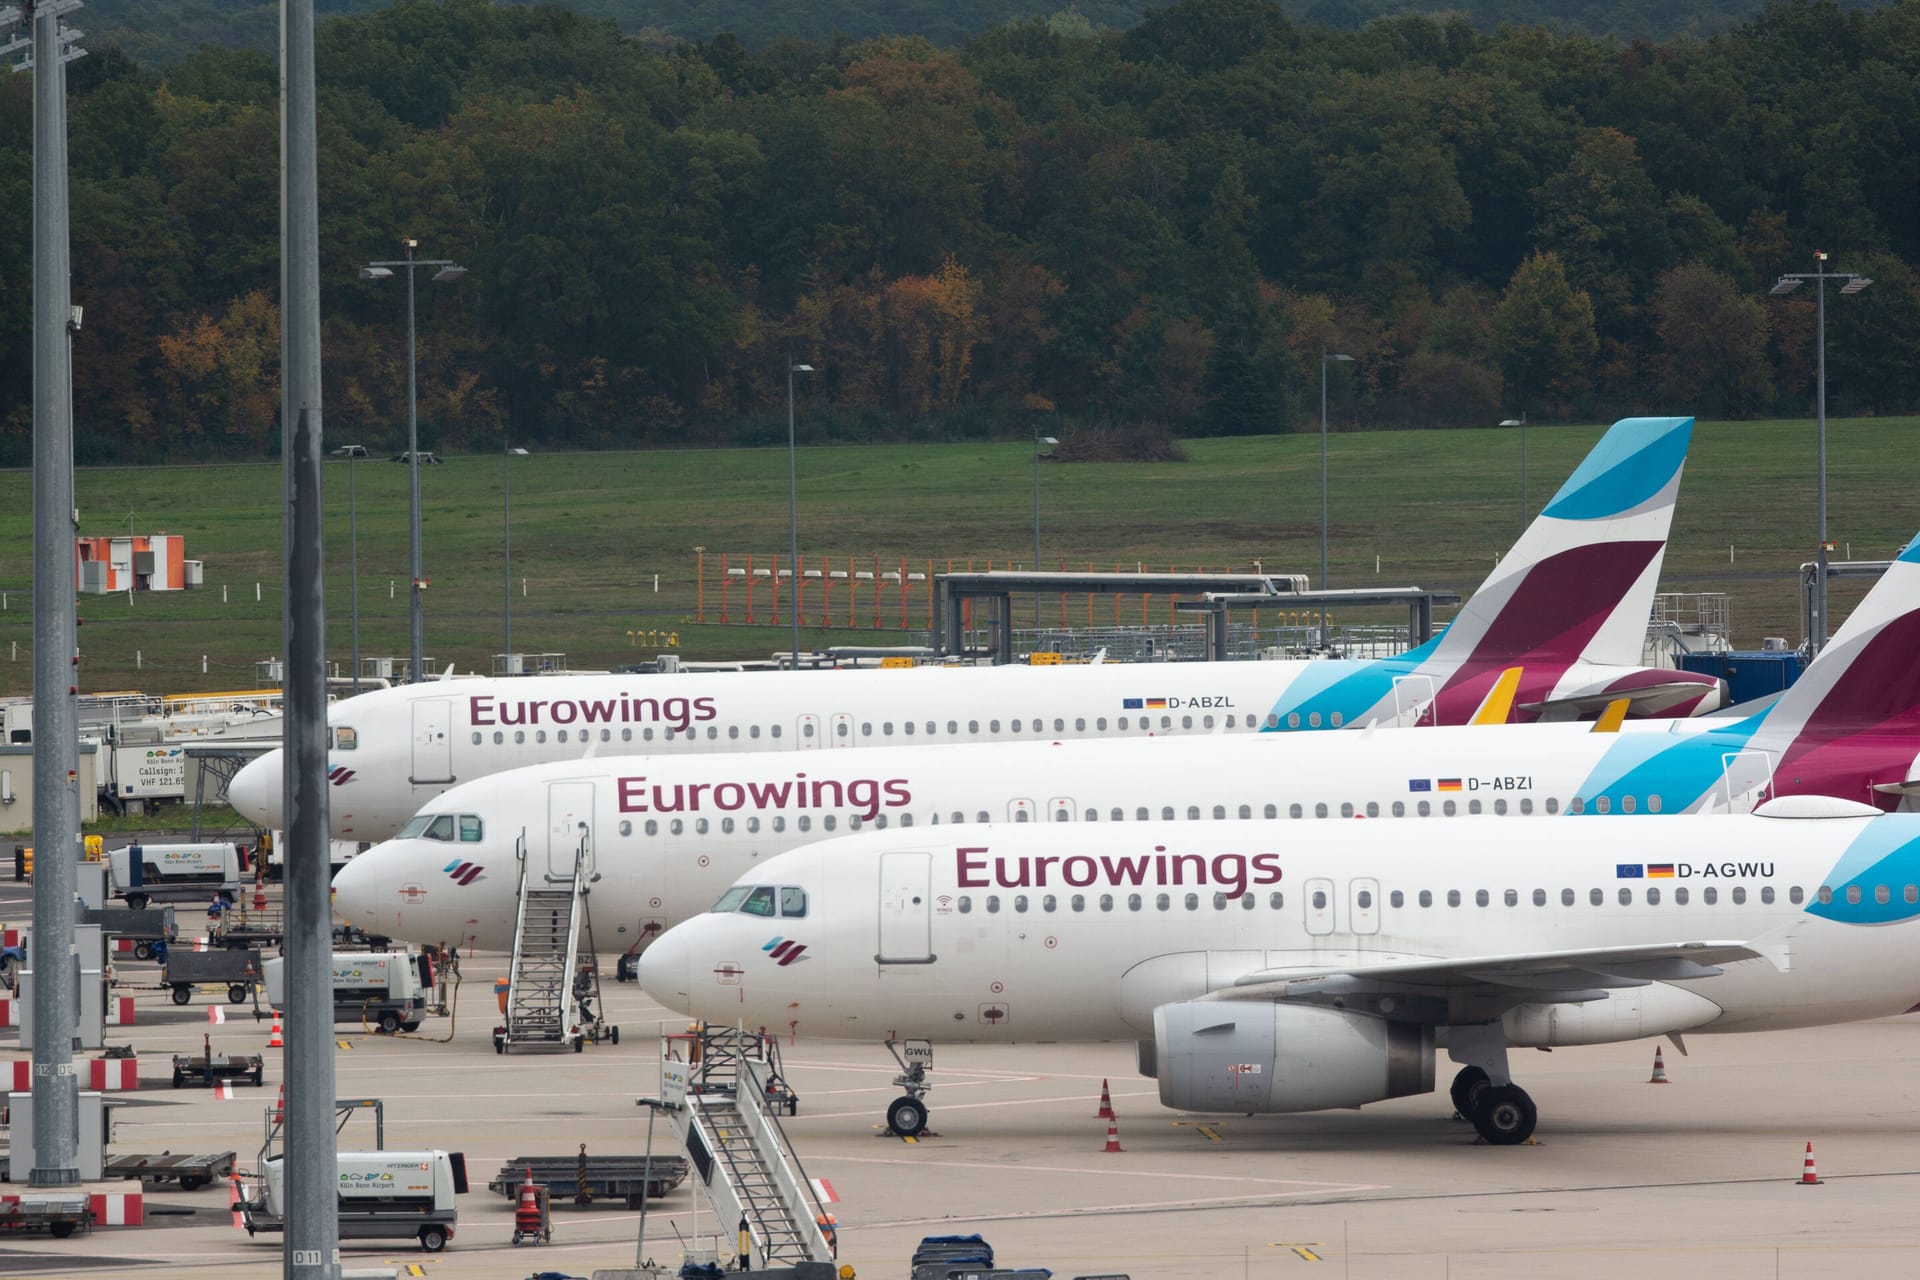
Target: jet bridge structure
(1220, 593)
(719, 1088)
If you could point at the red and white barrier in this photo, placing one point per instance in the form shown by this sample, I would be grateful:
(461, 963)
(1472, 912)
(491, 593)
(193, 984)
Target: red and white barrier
(110, 1208)
(216, 1014)
(103, 1075)
(119, 1011)
(7, 1018)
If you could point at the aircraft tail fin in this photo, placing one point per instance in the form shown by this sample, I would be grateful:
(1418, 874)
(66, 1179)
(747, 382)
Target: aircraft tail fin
(1867, 679)
(1497, 706)
(1579, 584)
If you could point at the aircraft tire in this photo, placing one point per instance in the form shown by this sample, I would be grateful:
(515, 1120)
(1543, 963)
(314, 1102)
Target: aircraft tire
(1504, 1115)
(1465, 1088)
(907, 1116)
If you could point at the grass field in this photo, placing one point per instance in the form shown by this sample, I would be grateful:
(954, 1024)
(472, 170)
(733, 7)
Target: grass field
(591, 532)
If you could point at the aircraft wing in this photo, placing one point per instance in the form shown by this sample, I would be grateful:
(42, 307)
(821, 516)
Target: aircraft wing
(1647, 700)
(1479, 988)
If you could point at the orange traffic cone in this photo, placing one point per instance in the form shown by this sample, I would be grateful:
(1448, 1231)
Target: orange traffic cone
(1659, 1069)
(279, 1111)
(1809, 1176)
(1113, 1135)
(274, 1041)
(1106, 1103)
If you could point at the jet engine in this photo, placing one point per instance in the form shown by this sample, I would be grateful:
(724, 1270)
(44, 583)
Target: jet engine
(1254, 1055)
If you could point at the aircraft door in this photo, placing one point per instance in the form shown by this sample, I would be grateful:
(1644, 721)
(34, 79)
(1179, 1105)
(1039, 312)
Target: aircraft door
(432, 741)
(1060, 809)
(906, 909)
(842, 730)
(569, 829)
(807, 733)
(1746, 779)
(1413, 699)
(1363, 905)
(1020, 810)
(1318, 899)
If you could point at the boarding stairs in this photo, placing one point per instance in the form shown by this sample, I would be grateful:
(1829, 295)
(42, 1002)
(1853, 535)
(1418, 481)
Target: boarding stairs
(719, 1090)
(542, 999)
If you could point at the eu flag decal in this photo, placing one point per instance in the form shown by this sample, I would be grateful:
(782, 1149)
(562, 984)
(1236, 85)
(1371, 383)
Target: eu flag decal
(1629, 871)
(1131, 704)
(1419, 784)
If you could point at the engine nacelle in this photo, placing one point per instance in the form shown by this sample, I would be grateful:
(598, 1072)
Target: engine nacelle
(1253, 1055)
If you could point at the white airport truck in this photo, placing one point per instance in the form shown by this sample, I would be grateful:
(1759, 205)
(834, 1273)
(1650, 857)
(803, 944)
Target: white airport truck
(383, 1195)
(143, 873)
(389, 989)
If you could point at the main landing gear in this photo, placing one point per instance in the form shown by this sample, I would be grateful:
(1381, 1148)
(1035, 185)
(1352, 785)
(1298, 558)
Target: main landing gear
(907, 1114)
(1500, 1110)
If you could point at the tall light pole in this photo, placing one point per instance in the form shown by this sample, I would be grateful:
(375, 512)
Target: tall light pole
(1521, 422)
(1039, 441)
(793, 510)
(351, 452)
(1817, 630)
(445, 270)
(1326, 357)
(507, 455)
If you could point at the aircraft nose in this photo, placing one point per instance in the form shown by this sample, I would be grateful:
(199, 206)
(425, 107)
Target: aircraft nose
(356, 887)
(665, 968)
(255, 791)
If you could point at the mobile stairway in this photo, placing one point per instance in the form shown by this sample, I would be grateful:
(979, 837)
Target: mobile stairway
(720, 1089)
(552, 1003)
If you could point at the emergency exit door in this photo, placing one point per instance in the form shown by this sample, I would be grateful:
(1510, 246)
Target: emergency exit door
(906, 909)
(432, 741)
(569, 830)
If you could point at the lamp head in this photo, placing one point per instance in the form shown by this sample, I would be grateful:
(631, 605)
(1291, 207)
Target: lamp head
(447, 273)
(375, 273)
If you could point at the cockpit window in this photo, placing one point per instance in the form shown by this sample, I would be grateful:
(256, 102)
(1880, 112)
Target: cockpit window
(343, 738)
(429, 826)
(793, 900)
(759, 902)
(470, 828)
(732, 898)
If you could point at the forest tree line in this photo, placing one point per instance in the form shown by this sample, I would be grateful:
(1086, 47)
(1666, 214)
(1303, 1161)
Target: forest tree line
(1050, 225)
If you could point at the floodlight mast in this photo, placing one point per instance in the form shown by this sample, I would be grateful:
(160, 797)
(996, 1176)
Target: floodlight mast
(1818, 628)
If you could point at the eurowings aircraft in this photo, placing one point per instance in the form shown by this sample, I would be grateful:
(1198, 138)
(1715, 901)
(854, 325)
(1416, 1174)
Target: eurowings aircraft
(1283, 967)
(665, 833)
(1568, 606)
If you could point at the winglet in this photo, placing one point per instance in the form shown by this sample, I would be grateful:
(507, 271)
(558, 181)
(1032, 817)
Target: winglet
(1497, 706)
(1611, 719)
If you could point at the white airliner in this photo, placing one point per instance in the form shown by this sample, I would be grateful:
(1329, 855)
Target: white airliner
(1568, 606)
(1280, 967)
(665, 833)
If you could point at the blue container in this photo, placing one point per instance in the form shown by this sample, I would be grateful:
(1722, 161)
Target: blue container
(1749, 675)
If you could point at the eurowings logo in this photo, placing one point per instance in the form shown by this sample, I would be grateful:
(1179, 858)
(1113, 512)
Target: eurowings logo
(464, 873)
(340, 775)
(784, 950)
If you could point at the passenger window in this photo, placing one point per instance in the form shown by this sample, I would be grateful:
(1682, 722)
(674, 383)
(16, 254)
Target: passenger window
(1447, 807)
(1853, 895)
(964, 904)
(1320, 810)
(760, 902)
(793, 900)
(1294, 811)
(1596, 897)
(1166, 813)
(1193, 902)
(1106, 902)
(779, 823)
(1271, 811)
(827, 823)
(753, 731)
(1346, 809)
(733, 731)
(1118, 815)
(1193, 813)
(1526, 805)
(853, 822)
(1140, 814)
(993, 904)
(1473, 806)
(1100, 724)
(1246, 811)
(1626, 804)
(1797, 895)
(1426, 809)
(1399, 809)
(560, 735)
(1653, 804)
(1480, 898)
(1710, 895)
(1133, 902)
(1653, 896)
(1276, 900)
(498, 737)
(1500, 808)
(1603, 804)
(1365, 899)
(1739, 895)
(539, 735)
(677, 826)
(1426, 898)
(1766, 894)
(1680, 896)
(1014, 726)
(973, 726)
(1079, 902)
(1626, 897)
(1575, 806)
(469, 828)
(1019, 902)
(1319, 899)
(1163, 902)
(879, 820)
(653, 827)
(1396, 899)
(700, 826)
(1020, 815)
(886, 728)
(476, 737)
(1373, 808)
(519, 736)
(753, 824)
(773, 731)
(1049, 903)
(993, 726)
(1186, 722)
(626, 735)
(802, 823)
(626, 826)
(1453, 897)
(1566, 897)
(1220, 811)
(1219, 902)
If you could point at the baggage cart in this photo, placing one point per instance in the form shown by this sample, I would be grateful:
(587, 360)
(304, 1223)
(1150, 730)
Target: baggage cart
(238, 970)
(585, 1180)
